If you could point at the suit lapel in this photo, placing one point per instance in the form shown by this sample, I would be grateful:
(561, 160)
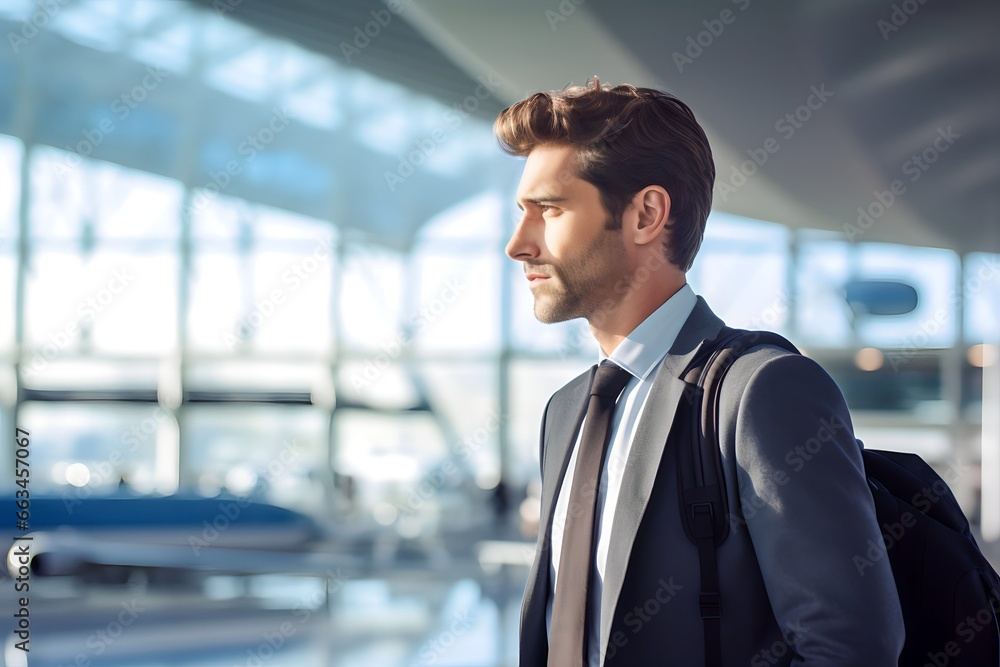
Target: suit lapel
(563, 421)
(565, 425)
(647, 449)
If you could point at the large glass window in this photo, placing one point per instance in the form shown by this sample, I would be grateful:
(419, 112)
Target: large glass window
(117, 303)
(741, 270)
(274, 454)
(10, 193)
(981, 291)
(933, 273)
(80, 450)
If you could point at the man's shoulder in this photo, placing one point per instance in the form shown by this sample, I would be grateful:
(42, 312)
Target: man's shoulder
(771, 375)
(572, 389)
(774, 373)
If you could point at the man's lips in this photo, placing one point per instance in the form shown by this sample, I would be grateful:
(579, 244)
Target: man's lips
(532, 277)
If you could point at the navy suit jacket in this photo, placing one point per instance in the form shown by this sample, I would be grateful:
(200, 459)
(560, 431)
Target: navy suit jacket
(798, 582)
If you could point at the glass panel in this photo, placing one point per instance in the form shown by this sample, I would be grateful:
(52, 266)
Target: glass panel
(824, 317)
(253, 374)
(318, 104)
(94, 24)
(275, 454)
(251, 71)
(59, 198)
(464, 397)
(458, 303)
(746, 288)
(981, 289)
(741, 271)
(112, 302)
(134, 204)
(382, 382)
(406, 474)
(372, 299)
(932, 272)
(79, 450)
(17, 10)
(171, 46)
(290, 310)
(144, 322)
(274, 224)
(535, 382)
(38, 371)
(471, 223)
(10, 193)
(8, 278)
(215, 218)
(216, 293)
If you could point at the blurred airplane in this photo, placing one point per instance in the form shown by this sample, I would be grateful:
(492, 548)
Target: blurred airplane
(169, 537)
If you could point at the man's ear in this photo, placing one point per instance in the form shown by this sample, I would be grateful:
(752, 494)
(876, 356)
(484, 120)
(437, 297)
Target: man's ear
(651, 207)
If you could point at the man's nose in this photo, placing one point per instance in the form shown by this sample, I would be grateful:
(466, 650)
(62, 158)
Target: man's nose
(521, 245)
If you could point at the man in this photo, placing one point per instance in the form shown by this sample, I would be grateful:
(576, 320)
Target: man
(615, 193)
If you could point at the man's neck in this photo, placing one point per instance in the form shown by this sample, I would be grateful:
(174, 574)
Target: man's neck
(611, 329)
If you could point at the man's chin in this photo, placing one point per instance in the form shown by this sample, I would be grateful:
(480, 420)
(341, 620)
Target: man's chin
(548, 313)
(552, 318)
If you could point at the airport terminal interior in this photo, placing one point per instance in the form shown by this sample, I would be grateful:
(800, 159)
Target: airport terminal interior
(277, 383)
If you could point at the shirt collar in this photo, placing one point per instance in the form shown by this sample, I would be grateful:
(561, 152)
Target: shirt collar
(649, 342)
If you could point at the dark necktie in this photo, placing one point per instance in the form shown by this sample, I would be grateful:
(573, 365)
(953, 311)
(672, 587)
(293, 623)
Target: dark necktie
(568, 632)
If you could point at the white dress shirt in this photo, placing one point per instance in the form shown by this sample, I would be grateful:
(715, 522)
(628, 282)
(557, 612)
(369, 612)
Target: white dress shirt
(641, 354)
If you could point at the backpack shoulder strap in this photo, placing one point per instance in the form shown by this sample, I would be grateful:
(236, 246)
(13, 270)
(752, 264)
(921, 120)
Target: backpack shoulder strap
(701, 484)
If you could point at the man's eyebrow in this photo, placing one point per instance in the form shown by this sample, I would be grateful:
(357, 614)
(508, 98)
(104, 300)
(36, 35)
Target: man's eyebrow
(542, 199)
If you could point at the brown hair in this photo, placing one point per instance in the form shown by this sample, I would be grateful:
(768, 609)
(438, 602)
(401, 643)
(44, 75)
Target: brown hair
(627, 138)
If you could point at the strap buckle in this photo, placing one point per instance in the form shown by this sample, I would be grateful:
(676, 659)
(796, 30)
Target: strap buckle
(702, 520)
(710, 605)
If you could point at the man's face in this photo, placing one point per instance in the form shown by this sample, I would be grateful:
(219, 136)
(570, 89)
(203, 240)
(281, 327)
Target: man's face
(572, 261)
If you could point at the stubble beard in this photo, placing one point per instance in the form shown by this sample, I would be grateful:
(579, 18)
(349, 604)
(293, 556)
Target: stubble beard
(581, 286)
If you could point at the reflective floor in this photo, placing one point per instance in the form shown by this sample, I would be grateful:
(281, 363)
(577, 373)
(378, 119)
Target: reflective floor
(273, 620)
(459, 615)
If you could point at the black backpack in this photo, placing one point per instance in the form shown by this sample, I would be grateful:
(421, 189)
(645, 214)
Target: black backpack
(948, 591)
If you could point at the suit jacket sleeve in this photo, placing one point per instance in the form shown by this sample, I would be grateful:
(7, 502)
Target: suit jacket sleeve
(541, 440)
(810, 514)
